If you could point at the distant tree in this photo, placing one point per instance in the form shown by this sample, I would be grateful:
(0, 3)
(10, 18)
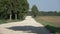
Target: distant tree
(34, 11)
(58, 13)
(49, 13)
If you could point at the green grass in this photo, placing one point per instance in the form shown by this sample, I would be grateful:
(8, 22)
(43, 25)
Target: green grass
(50, 26)
(3, 21)
(8, 21)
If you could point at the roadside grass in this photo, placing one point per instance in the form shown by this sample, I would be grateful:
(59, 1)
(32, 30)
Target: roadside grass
(3, 21)
(50, 23)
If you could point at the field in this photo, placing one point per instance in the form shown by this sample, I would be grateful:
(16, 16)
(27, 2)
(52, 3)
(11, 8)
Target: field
(52, 23)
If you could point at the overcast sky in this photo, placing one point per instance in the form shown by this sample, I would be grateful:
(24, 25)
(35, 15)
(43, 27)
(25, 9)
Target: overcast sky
(45, 5)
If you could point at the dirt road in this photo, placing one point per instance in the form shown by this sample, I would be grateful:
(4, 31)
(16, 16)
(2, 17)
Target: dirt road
(28, 26)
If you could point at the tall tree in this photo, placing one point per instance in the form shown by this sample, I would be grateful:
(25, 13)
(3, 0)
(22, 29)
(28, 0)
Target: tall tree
(20, 6)
(3, 8)
(34, 11)
(24, 6)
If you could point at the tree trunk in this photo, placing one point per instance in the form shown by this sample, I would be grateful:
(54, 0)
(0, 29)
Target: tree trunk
(15, 16)
(10, 17)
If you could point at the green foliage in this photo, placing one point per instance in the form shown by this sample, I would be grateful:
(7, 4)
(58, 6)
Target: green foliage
(49, 13)
(15, 8)
(3, 21)
(34, 11)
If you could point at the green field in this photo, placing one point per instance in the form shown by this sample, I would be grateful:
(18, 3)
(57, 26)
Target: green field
(52, 23)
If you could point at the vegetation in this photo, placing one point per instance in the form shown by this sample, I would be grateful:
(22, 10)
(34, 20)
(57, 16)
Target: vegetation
(3, 21)
(49, 13)
(34, 11)
(13, 9)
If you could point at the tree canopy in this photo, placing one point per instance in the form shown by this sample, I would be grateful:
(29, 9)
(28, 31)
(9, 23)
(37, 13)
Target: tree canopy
(13, 9)
(34, 11)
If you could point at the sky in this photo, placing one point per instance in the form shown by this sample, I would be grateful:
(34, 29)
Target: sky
(45, 5)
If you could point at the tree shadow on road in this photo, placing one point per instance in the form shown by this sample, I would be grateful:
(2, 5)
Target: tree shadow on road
(30, 29)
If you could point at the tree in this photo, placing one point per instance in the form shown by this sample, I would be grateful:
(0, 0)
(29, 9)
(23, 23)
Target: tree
(34, 11)
(11, 8)
(3, 8)
(24, 6)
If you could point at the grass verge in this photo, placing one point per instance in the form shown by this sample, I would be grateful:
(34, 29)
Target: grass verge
(3, 21)
(8, 21)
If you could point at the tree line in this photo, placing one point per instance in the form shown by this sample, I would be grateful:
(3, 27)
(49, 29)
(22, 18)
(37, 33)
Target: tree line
(49, 13)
